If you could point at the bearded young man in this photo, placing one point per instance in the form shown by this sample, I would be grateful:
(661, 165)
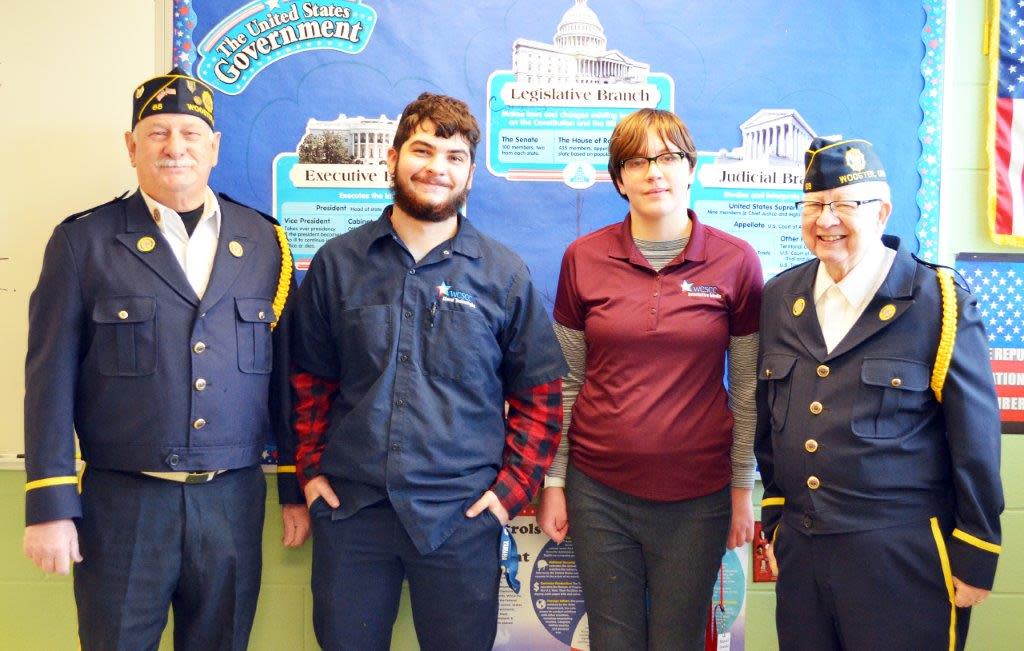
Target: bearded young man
(410, 334)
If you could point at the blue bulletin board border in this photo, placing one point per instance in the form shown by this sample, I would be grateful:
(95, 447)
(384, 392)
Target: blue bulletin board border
(929, 165)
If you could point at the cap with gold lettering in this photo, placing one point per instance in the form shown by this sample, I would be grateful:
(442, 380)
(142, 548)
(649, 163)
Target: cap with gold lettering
(174, 92)
(837, 163)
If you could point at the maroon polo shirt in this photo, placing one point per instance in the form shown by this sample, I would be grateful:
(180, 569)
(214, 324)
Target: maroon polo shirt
(652, 418)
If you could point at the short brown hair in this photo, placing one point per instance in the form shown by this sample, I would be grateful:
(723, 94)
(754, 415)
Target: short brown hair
(450, 116)
(629, 139)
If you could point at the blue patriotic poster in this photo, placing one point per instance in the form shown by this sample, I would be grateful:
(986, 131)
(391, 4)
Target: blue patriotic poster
(997, 280)
(310, 92)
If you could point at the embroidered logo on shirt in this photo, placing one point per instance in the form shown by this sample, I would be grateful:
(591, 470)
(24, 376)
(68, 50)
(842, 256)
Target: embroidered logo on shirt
(700, 291)
(448, 294)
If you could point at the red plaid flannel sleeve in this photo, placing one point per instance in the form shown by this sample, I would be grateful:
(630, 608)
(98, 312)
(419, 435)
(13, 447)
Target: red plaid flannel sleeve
(533, 428)
(311, 405)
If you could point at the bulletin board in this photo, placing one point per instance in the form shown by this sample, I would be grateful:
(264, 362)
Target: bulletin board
(310, 92)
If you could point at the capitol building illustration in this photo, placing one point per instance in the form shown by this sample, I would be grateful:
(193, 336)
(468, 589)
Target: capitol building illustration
(367, 139)
(579, 54)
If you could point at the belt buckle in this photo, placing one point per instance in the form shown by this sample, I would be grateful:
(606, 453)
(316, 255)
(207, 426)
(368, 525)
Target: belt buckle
(199, 477)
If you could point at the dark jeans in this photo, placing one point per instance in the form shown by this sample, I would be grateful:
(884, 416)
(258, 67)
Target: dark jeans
(627, 546)
(359, 563)
(150, 544)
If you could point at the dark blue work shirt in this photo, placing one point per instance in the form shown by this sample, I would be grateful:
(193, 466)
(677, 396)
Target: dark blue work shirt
(425, 354)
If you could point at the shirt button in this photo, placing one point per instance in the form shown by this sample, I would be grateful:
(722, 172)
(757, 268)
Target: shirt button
(198, 348)
(446, 252)
(652, 310)
(395, 447)
(807, 522)
(813, 483)
(823, 371)
(403, 357)
(400, 403)
(408, 314)
(811, 445)
(199, 423)
(262, 315)
(173, 460)
(412, 272)
(123, 314)
(654, 294)
(816, 408)
(896, 382)
(200, 384)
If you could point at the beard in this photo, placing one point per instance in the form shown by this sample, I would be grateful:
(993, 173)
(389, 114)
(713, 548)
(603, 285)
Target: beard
(405, 199)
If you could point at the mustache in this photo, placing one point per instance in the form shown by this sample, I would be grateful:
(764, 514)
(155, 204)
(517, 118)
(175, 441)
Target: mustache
(176, 162)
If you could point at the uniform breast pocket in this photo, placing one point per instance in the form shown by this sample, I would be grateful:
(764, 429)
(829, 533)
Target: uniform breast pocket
(252, 330)
(893, 393)
(125, 335)
(458, 345)
(777, 370)
(364, 340)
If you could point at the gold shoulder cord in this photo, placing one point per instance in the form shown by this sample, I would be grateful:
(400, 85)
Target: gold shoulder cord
(947, 338)
(284, 281)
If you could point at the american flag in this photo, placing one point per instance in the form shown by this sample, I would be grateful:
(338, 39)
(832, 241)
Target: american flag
(997, 281)
(1006, 210)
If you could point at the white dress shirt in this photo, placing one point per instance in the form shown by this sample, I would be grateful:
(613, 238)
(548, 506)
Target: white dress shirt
(839, 305)
(195, 254)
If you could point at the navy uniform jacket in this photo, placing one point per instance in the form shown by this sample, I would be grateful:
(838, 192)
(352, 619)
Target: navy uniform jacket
(119, 341)
(855, 439)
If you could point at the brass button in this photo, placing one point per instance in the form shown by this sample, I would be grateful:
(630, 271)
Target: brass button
(813, 483)
(896, 382)
(811, 445)
(262, 315)
(816, 408)
(199, 423)
(767, 372)
(198, 348)
(123, 314)
(200, 384)
(823, 371)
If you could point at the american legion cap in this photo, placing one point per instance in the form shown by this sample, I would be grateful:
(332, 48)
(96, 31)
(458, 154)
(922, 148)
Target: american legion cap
(174, 92)
(836, 163)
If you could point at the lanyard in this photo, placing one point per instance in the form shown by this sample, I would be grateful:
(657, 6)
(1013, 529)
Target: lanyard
(509, 559)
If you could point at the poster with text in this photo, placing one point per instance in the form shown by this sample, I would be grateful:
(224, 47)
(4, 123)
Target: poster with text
(309, 92)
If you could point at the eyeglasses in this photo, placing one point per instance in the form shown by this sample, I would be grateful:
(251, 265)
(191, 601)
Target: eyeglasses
(640, 164)
(841, 209)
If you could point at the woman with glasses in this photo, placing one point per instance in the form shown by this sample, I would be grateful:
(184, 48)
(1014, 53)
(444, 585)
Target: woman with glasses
(654, 475)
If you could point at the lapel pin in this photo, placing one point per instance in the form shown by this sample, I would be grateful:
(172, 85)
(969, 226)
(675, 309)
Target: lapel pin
(145, 244)
(887, 312)
(235, 248)
(798, 306)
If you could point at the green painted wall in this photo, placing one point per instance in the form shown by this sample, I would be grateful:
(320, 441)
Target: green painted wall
(37, 612)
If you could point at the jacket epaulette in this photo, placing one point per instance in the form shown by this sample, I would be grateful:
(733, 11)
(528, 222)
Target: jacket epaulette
(268, 217)
(957, 278)
(71, 218)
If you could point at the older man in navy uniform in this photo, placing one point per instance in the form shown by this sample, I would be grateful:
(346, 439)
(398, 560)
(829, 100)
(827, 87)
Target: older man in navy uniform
(150, 335)
(878, 429)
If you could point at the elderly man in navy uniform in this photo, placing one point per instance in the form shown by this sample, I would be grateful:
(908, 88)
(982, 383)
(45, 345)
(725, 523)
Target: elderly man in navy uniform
(150, 335)
(878, 429)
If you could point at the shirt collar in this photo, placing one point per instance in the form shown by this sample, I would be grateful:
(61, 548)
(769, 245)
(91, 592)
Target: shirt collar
(623, 247)
(466, 241)
(859, 284)
(169, 220)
